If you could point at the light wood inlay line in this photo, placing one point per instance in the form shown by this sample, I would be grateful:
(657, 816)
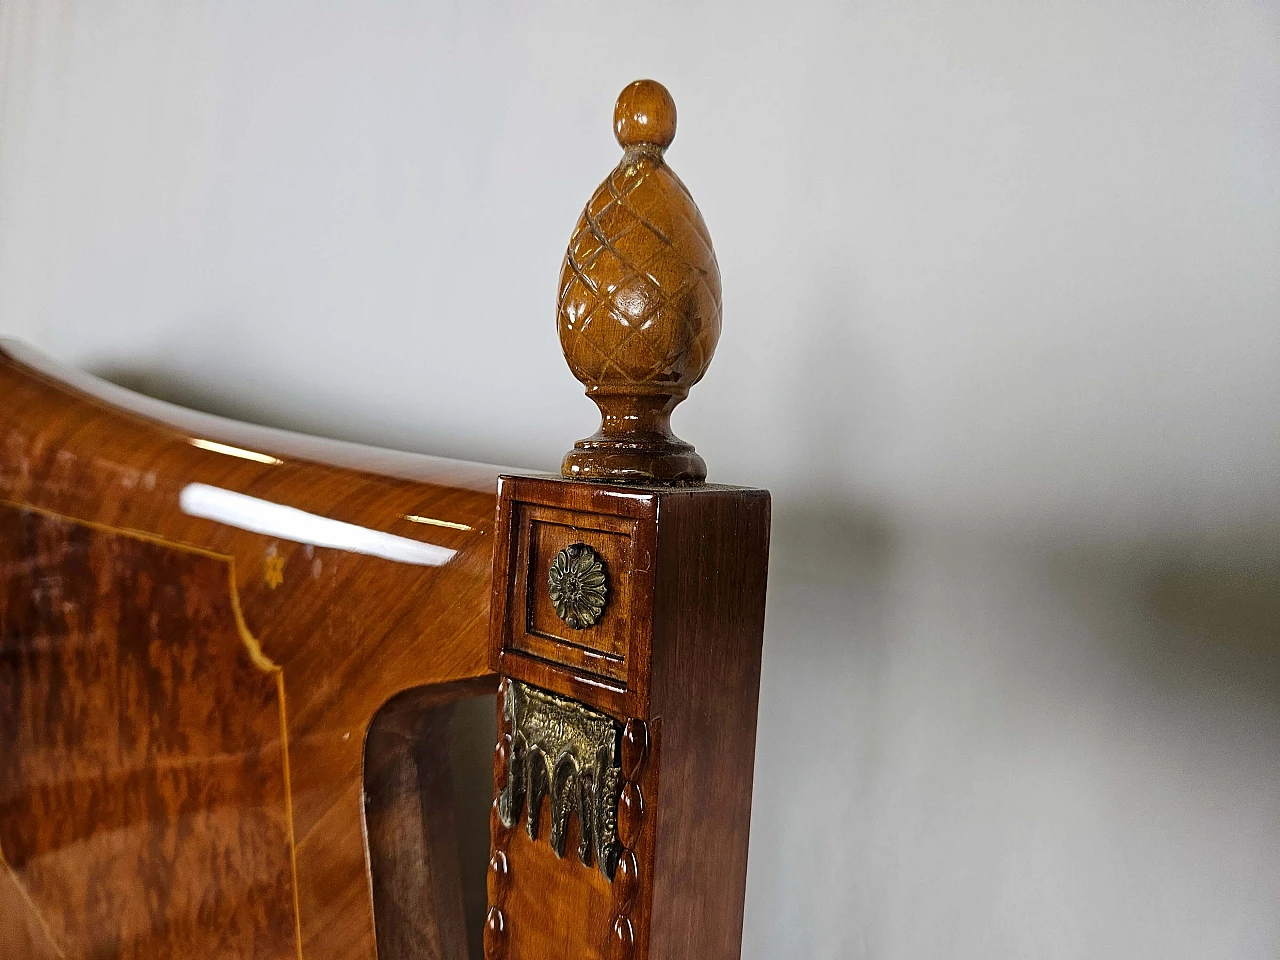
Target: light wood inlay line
(31, 906)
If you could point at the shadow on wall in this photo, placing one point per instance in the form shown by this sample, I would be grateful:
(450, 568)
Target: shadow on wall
(974, 745)
(975, 749)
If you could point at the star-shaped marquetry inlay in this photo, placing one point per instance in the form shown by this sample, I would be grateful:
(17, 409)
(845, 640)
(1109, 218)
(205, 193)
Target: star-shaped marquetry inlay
(273, 570)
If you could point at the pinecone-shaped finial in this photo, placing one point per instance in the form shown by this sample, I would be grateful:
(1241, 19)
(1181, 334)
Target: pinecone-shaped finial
(639, 311)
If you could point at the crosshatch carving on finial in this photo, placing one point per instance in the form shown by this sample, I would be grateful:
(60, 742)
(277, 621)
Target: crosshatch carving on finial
(639, 304)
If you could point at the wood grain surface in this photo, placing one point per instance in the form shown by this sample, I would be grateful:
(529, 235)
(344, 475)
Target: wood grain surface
(691, 622)
(191, 656)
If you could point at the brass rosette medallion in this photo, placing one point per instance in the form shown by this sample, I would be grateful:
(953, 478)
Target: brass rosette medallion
(578, 585)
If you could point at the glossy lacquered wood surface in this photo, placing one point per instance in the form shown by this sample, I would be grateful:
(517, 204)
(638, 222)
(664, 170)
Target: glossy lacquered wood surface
(694, 560)
(187, 681)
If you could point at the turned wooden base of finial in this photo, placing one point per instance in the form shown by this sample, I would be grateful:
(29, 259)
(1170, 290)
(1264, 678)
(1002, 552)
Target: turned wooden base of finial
(597, 458)
(634, 443)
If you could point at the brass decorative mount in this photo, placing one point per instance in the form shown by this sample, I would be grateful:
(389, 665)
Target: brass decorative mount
(568, 752)
(578, 586)
(639, 304)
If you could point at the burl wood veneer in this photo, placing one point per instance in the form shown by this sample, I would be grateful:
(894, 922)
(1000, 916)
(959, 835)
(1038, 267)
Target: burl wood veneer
(192, 677)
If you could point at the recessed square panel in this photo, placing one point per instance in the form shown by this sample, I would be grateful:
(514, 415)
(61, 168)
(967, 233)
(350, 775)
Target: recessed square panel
(601, 647)
(600, 659)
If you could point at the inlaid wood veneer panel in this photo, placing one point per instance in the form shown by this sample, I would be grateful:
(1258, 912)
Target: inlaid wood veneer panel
(144, 808)
(350, 631)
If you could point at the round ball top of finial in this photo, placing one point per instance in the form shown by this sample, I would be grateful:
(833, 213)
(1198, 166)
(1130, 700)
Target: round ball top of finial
(645, 113)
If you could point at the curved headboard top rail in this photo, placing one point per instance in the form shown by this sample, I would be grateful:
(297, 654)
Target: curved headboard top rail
(282, 443)
(158, 566)
(258, 495)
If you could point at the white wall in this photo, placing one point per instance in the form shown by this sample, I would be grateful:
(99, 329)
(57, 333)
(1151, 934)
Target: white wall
(1002, 333)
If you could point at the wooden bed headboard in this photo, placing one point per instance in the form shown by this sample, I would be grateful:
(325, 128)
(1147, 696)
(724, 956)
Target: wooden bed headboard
(229, 654)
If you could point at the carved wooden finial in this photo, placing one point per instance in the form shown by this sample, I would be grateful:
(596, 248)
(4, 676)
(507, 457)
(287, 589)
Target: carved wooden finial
(639, 312)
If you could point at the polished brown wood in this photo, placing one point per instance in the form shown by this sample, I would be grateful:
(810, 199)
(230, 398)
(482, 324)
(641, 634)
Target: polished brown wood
(687, 568)
(639, 306)
(191, 657)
